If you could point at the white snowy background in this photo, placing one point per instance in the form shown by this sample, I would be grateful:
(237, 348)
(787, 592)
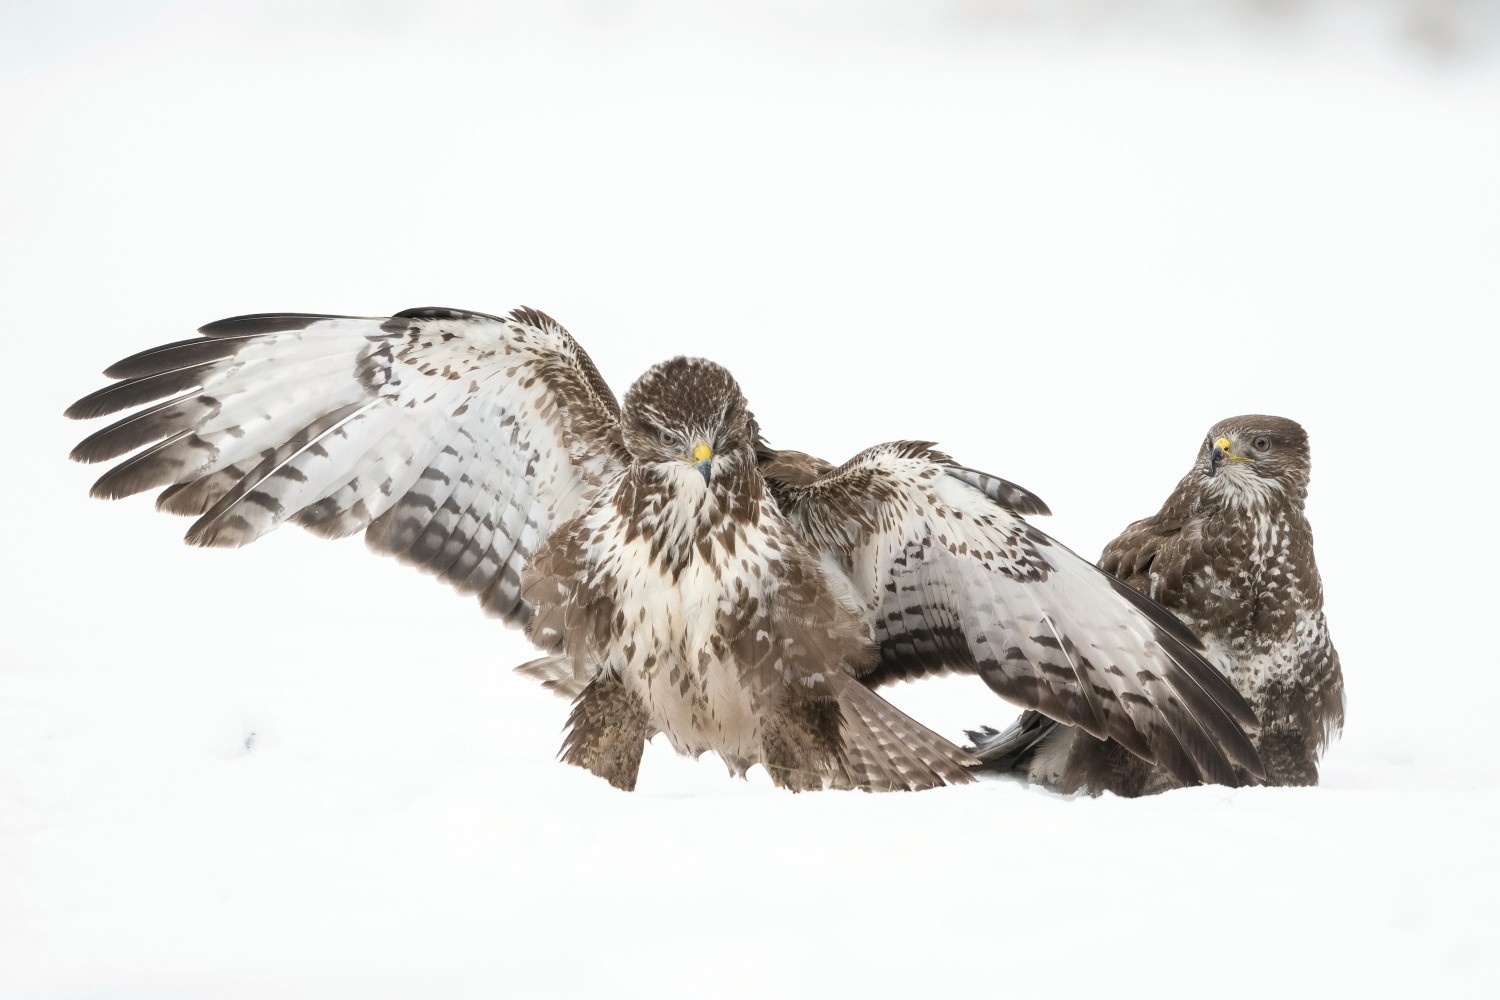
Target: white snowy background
(1060, 239)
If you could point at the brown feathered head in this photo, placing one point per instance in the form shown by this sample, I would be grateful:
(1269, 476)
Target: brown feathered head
(689, 410)
(1256, 454)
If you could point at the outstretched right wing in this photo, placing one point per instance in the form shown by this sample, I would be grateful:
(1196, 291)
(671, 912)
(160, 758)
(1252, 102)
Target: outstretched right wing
(955, 579)
(456, 440)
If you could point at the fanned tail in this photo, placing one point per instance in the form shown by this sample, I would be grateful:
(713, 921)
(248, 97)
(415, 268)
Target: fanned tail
(888, 751)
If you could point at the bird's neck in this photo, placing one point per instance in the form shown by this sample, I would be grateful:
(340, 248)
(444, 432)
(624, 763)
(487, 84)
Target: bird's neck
(1244, 492)
(676, 512)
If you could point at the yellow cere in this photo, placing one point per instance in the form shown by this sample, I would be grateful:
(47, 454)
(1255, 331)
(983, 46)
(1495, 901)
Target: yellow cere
(1223, 445)
(703, 451)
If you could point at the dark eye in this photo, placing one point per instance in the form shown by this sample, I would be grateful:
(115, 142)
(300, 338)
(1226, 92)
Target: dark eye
(668, 438)
(1262, 444)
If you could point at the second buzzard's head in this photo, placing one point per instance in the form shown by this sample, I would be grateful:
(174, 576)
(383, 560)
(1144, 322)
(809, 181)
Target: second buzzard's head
(1255, 454)
(689, 412)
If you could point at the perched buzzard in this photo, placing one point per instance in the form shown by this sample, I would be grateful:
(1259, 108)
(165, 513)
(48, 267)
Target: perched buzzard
(681, 576)
(1232, 554)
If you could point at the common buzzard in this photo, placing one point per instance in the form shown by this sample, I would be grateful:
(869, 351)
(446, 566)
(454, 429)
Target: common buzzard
(1231, 553)
(681, 576)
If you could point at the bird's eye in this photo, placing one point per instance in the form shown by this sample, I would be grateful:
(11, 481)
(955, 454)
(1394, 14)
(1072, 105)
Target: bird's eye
(1262, 444)
(668, 438)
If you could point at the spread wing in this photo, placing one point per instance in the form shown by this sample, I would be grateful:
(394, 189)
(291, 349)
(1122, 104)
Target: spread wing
(956, 580)
(455, 440)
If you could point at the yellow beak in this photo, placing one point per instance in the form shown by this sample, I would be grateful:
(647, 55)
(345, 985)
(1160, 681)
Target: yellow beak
(704, 456)
(1221, 454)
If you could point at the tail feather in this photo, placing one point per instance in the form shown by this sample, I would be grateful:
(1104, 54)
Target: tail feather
(556, 674)
(887, 750)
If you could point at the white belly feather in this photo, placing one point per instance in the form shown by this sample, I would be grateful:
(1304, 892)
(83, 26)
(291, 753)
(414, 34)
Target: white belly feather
(666, 652)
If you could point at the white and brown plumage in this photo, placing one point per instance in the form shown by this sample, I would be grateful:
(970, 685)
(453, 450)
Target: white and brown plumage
(1231, 553)
(681, 576)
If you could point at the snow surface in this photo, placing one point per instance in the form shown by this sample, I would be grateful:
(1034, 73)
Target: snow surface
(300, 771)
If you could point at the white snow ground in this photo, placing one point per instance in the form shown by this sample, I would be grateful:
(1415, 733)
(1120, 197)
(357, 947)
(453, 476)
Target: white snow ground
(1062, 250)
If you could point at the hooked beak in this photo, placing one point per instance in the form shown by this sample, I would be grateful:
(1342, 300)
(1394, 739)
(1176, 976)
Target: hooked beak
(705, 456)
(1221, 454)
(1218, 455)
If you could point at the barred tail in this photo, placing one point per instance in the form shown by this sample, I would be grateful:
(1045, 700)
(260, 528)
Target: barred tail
(886, 750)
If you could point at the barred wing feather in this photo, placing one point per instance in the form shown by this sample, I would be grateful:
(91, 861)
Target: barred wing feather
(455, 440)
(956, 580)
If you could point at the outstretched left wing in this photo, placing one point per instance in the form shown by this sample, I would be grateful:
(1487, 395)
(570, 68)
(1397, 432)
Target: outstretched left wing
(956, 580)
(456, 440)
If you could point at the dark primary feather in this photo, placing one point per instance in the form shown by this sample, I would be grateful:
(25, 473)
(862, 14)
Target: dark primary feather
(146, 426)
(135, 391)
(168, 357)
(259, 324)
(178, 456)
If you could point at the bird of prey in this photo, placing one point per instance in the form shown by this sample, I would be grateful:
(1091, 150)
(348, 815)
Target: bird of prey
(1231, 553)
(680, 576)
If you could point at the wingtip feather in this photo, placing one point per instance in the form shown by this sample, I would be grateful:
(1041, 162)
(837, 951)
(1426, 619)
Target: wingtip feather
(252, 324)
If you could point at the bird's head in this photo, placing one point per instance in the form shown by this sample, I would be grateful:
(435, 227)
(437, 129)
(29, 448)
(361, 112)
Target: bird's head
(1254, 455)
(689, 413)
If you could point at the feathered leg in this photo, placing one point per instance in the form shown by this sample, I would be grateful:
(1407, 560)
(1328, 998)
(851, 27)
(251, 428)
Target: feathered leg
(801, 745)
(1290, 757)
(607, 731)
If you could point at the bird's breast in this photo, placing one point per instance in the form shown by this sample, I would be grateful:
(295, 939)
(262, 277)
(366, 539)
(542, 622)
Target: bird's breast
(673, 641)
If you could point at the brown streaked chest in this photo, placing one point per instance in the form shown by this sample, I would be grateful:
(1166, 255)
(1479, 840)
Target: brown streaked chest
(1237, 582)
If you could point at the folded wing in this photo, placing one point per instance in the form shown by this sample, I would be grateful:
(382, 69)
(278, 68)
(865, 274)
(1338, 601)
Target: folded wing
(455, 440)
(956, 580)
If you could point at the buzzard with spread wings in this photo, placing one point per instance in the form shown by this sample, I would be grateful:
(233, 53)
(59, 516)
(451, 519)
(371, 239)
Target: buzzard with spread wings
(680, 576)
